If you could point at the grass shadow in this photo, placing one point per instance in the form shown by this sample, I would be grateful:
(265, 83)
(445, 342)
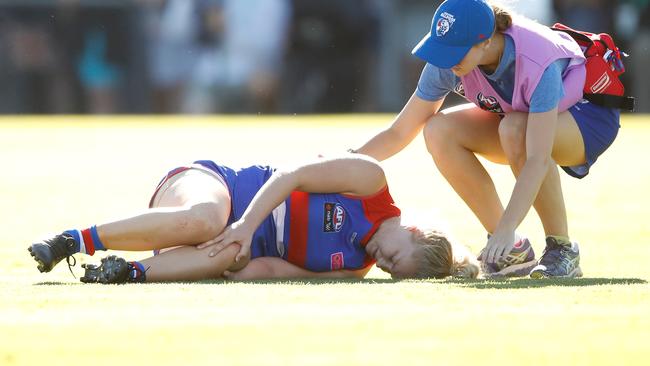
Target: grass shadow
(508, 283)
(56, 283)
(308, 281)
(505, 284)
(525, 283)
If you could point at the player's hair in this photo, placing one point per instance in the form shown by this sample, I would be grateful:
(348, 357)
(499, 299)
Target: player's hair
(438, 257)
(502, 15)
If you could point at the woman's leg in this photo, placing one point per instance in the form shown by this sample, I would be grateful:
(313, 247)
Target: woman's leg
(188, 264)
(452, 138)
(568, 150)
(195, 206)
(192, 207)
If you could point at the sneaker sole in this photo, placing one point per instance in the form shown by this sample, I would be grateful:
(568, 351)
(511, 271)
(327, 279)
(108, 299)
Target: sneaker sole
(516, 270)
(576, 273)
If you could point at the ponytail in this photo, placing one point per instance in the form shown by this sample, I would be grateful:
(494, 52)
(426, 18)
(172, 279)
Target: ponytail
(502, 16)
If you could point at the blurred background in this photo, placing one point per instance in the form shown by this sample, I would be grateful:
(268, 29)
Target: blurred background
(250, 56)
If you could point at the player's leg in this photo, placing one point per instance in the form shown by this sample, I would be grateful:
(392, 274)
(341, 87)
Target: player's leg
(453, 137)
(195, 207)
(184, 263)
(191, 207)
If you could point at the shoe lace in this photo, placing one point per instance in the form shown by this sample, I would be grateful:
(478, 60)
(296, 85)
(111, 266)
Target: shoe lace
(74, 263)
(61, 251)
(552, 253)
(556, 255)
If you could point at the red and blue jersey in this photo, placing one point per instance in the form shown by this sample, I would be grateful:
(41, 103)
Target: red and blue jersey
(315, 231)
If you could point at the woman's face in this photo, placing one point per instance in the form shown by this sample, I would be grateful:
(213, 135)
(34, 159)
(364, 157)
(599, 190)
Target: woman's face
(394, 250)
(471, 60)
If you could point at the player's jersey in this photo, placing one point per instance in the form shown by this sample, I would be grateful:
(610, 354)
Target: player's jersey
(326, 232)
(317, 232)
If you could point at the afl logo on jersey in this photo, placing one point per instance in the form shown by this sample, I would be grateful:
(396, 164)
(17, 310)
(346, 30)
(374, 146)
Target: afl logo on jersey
(489, 103)
(333, 217)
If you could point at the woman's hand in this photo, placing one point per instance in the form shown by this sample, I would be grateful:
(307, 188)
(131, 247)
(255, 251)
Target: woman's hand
(498, 247)
(237, 233)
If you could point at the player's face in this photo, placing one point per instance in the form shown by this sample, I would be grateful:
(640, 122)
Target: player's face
(395, 253)
(471, 60)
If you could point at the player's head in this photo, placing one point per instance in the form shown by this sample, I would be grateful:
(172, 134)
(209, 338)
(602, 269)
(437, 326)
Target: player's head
(439, 257)
(408, 252)
(461, 32)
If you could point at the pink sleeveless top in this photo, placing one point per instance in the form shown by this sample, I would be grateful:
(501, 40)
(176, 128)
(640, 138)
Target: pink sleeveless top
(536, 47)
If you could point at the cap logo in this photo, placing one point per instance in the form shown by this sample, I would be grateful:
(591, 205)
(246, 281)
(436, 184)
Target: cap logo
(444, 24)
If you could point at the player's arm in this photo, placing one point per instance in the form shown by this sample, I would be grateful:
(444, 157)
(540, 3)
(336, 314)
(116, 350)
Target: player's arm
(353, 174)
(406, 126)
(272, 267)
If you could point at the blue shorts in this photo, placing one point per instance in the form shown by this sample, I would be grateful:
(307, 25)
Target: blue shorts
(242, 184)
(599, 127)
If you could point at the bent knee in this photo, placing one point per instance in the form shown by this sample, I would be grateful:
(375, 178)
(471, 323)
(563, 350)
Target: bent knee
(438, 134)
(202, 221)
(512, 133)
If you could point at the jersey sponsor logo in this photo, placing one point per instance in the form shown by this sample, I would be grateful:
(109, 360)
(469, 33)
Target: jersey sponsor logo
(336, 261)
(459, 89)
(333, 217)
(444, 24)
(489, 103)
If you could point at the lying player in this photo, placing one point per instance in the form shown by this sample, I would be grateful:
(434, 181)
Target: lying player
(328, 218)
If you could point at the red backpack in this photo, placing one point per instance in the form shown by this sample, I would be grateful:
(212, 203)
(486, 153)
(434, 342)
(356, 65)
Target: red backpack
(604, 66)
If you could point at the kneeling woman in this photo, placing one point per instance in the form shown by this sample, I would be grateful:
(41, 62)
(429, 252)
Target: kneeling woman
(328, 218)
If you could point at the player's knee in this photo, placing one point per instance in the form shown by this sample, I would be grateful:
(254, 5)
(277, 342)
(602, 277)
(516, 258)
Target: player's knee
(203, 221)
(438, 134)
(512, 134)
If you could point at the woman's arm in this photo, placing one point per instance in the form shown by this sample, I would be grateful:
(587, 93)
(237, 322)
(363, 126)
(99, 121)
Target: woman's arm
(272, 267)
(408, 124)
(353, 174)
(540, 135)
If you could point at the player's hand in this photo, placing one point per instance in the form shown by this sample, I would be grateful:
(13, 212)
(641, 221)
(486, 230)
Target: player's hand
(237, 233)
(498, 247)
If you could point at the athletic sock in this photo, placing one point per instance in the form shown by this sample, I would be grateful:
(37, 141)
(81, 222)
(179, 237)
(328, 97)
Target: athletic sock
(137, 273)
(562, 240)
(87, 240)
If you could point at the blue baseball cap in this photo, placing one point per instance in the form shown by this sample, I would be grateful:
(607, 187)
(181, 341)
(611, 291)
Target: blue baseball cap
(456, 27)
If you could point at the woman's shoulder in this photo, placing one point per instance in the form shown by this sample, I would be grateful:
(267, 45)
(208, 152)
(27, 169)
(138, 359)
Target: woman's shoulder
(434, 73)
(435, 83)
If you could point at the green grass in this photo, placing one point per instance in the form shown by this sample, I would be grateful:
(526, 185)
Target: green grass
(63, 172)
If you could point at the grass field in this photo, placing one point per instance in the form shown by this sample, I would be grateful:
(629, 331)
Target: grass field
(64, 172)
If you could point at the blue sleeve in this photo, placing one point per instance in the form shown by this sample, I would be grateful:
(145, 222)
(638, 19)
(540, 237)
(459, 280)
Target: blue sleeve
(435, 83)
(550, 89)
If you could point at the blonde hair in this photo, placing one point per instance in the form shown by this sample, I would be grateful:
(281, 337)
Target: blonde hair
(502, 15)
(439, 258)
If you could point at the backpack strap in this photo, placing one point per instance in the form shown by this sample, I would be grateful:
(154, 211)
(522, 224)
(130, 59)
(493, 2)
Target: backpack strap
(612, 101)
